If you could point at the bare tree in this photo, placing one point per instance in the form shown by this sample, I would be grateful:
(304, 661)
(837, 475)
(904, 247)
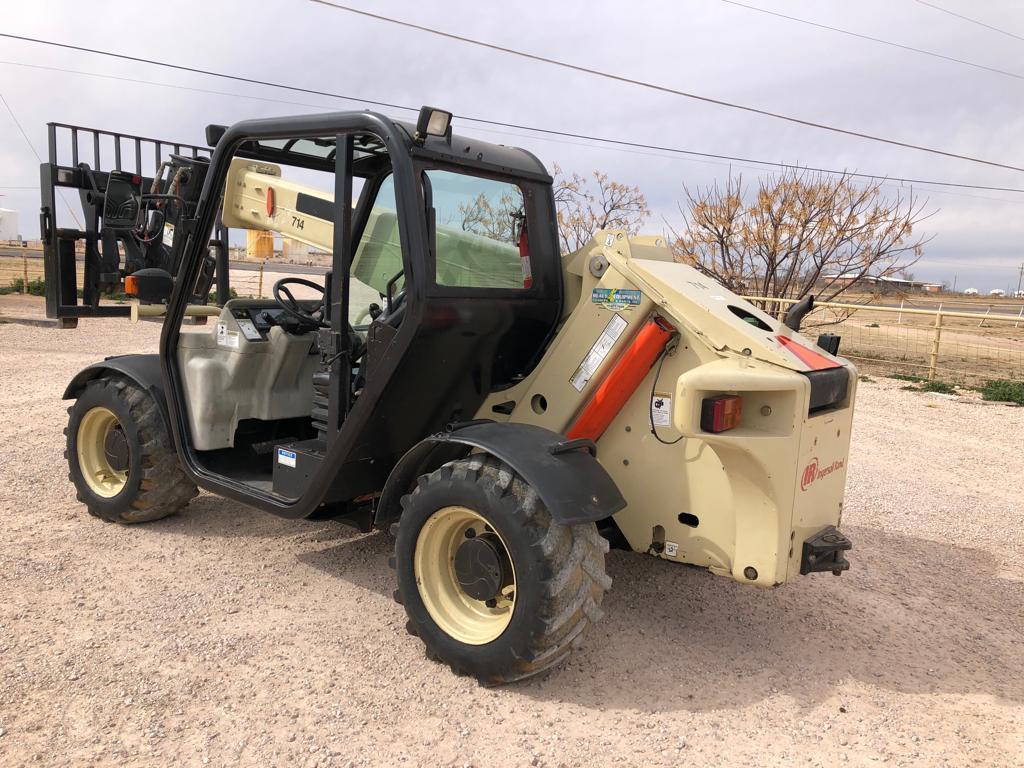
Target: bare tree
(497, 221)
(585, 205)
(801, 232)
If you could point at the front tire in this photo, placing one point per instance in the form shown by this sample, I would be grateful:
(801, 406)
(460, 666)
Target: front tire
(120, 456)
(492, 585)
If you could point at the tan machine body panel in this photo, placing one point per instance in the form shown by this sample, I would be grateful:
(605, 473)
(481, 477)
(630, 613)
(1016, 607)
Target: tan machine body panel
(739, 500)
(248, 185)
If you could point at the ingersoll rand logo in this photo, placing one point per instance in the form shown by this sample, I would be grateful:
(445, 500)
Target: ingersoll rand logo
(813, 472)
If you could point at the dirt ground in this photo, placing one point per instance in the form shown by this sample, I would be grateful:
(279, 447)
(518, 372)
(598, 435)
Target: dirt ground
(224, 636)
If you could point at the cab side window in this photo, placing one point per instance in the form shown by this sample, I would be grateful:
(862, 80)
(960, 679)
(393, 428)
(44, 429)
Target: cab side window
(478, 228)
(378, 255)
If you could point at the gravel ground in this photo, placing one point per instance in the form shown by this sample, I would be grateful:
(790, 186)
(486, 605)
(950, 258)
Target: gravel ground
(227, 636)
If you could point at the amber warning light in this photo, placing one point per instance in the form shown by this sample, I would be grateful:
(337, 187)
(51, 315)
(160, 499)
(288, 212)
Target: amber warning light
(717, 414)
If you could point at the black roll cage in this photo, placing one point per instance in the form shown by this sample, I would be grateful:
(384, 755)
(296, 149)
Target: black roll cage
(405, 156)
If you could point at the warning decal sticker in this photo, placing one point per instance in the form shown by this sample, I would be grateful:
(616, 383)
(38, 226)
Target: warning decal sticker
(598, 352)
(226, 338)
(661, 410)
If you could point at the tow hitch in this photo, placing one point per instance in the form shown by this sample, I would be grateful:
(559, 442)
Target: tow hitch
(824, 552)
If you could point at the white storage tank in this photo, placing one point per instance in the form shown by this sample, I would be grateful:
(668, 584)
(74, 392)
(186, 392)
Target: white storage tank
(9, 225)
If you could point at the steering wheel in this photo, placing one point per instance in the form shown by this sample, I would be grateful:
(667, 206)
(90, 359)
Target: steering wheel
(291, 305)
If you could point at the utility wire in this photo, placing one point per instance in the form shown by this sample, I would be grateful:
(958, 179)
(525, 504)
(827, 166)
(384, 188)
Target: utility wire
(31, 146)
(972, 21)
(616, 143)
(140, 81)
(874, 39)
(734, 158)
(659, 88)
(198, 71)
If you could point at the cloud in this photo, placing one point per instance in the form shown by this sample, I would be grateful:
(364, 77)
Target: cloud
(706, 47)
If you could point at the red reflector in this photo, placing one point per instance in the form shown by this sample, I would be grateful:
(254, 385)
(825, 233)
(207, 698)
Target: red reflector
(717, 414)
(270, 201)
(808, 357)
(136, 180)
(622, 380)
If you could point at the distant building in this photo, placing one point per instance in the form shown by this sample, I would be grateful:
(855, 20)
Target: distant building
(883, 284)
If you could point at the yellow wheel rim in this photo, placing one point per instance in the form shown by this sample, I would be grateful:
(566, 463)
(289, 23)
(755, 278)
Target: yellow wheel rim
(93, 460)
(465, 618)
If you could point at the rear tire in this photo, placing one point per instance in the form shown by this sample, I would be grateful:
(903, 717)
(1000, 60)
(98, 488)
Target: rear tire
(120, 456)
(552, 582)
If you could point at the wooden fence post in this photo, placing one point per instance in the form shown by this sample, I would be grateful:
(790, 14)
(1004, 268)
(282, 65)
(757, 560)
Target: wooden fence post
(24, 274)
(933, 361)
(899, 317)
(987, 312)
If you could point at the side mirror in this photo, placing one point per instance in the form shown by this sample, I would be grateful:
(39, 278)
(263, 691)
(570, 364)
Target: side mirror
(150, 286)
(122, 200)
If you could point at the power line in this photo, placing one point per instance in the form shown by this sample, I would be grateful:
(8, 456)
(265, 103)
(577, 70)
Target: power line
(196, 70)
(874, 39)
(734, 158)
(660, 88)
(484, 121)
(972, 21)
(140, 81)
(31, 146)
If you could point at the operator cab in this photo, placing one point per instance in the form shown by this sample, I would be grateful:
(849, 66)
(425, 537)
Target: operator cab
(403, 285)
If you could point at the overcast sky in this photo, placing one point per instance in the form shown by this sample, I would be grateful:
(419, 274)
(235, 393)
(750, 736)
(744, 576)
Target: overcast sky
(703, 46)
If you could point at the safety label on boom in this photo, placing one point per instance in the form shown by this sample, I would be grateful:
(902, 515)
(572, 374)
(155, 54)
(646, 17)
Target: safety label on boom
(598, 352)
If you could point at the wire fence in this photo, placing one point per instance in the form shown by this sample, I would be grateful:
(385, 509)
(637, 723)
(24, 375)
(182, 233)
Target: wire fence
(25, 275)
(958, 347)
(920, 338)
(21, 274)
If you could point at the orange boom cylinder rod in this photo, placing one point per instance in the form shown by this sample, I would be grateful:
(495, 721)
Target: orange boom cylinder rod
(622, 380)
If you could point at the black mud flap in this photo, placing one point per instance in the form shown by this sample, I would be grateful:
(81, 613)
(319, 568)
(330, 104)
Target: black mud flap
(566, 474)
(824, 552)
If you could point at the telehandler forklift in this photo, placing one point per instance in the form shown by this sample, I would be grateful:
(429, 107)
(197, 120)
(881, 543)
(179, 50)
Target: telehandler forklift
(507, 413)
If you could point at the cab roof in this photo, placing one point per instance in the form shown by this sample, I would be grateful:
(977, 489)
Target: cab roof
(319, 152)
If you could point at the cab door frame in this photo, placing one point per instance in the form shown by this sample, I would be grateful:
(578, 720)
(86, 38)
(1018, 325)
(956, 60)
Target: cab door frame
(413, 239)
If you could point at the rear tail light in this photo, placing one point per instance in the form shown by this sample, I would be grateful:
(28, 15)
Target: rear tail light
(717, 414)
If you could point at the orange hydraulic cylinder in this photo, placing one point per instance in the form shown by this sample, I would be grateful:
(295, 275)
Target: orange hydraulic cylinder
(621, 381)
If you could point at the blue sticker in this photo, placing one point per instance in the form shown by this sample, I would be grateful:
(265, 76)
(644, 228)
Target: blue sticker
(616, 298)
(286, 457)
